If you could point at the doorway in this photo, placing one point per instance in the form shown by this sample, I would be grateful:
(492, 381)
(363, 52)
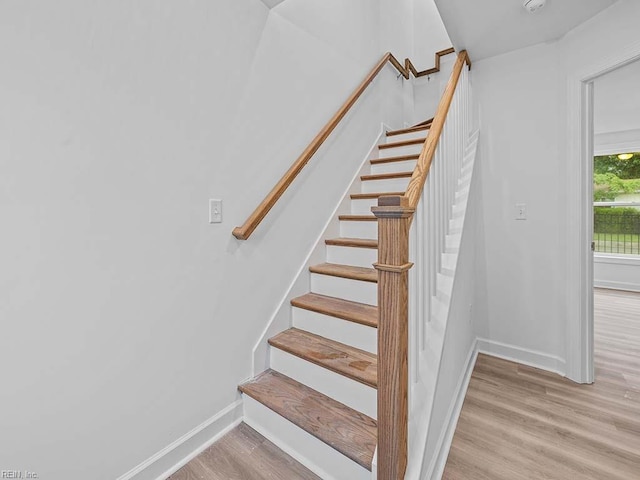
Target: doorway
(580, 327)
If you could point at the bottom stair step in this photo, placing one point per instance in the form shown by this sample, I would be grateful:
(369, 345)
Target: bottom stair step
(348, 431)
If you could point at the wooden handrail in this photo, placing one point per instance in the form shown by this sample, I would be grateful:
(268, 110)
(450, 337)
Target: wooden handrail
(409, 66)
(395, 213)
(420, 173)
(246, 229)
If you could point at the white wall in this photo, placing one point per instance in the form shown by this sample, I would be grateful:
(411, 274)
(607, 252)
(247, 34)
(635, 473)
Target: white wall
(127, 319)
(429, 33)
(616, 111)
(413, 29)
(617, 100)
(528, 156)
(521, 121)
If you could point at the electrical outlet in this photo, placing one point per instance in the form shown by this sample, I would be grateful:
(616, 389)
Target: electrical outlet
(215, 210)
(521, 211)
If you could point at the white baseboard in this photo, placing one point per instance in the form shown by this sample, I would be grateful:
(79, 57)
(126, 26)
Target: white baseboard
(436, 469)
(532, 358)
(179, 453)
(629, 287)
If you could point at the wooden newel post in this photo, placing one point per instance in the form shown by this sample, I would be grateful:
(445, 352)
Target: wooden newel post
(394, 220)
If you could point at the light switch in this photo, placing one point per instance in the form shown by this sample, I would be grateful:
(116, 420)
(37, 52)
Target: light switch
(215, 210)
(521, 211)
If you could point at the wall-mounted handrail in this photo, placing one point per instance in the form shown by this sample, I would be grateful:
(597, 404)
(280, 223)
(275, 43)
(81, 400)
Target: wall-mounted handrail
(395, 214)
(244, 231)
(409, 66)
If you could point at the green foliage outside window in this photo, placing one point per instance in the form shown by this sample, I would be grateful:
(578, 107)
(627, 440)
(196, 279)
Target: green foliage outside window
(613, 177)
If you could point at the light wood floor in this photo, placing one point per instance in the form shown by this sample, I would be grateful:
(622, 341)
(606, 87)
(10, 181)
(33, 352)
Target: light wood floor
(243, 454)
(518, 422)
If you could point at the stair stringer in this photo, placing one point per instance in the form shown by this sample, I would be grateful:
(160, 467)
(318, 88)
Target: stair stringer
(281, 319)
(437, 326)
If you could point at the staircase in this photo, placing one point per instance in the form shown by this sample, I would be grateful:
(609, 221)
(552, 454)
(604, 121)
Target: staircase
(318, 400)
(351, 386)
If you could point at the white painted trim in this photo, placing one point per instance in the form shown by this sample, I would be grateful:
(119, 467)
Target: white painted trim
(436, 469)
(282, 318)
(617, 259)
(626, 286)
(177, 454)
(525, 356)
(374, 464)
(579, 294)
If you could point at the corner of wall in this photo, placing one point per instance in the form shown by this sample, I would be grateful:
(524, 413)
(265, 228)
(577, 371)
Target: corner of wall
(171, 458)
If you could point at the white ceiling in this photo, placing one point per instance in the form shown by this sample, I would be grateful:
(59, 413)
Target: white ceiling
(490, 27)
(617, 100)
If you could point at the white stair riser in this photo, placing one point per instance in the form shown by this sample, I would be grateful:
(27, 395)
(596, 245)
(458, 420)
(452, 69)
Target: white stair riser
(439, 312)
(435, 337)
(449, 262)
(362, 206)
(455, 225)
(343, 331)
(386, 185)
(393, 167)
(317, 456)
(462, 193)
(407, 136)
(465, 179)
(452, 243)
(458, 211)
(366, 230)
(354, 394)
(445, 283)
(398, 151)
(346, 288)
(354, 256)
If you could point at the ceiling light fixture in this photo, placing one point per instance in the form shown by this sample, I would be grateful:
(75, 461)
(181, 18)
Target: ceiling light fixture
(533, 5)
(625, 156)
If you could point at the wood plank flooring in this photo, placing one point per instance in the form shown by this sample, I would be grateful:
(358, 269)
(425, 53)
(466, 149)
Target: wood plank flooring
(519, 422)
(243, 454)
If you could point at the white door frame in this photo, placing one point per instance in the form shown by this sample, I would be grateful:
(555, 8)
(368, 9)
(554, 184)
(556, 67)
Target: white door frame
(579, 341)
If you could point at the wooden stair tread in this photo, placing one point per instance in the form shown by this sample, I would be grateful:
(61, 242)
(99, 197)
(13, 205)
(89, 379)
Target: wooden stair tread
(337, 307)
(416, 128)
(346, 271)
(362, 196)
(343, 359)
(358, 218)
(352, 242)
(403, 143)
(348, 431)
(399, 158)
(385, 176)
